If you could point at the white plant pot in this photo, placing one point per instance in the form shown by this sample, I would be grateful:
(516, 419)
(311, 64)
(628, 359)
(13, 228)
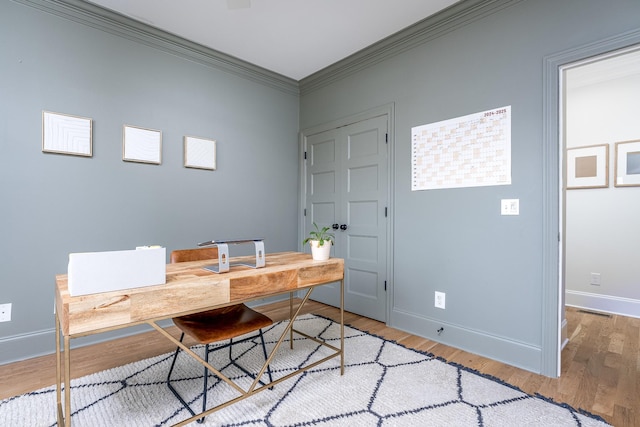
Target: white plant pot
(320, 253)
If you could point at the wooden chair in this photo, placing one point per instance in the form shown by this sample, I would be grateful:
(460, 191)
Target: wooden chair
(216, 325)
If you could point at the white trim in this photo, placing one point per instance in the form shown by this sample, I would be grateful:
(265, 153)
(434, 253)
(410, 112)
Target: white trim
(604, 303)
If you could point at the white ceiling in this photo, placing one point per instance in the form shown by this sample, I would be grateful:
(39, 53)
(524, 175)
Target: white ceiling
(294, 38)
(607, 67)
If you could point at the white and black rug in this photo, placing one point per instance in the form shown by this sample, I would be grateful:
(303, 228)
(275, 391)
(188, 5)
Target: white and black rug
(384, 384)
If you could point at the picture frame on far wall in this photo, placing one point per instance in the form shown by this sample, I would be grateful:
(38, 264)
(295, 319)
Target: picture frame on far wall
(588, 167)
(141, 145)
(627, 171)
(66, 134)
(199, 153)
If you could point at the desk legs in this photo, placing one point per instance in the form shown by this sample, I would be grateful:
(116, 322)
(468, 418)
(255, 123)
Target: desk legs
(64, 417)
(58, 374)
(342, 327)
(289, 330)
(290, 317)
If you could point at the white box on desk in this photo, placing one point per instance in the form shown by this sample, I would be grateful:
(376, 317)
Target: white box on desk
(94, 272)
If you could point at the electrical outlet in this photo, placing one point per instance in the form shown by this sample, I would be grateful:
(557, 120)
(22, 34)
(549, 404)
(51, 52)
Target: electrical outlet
(440, 300)
(595, 279)
(5, 312)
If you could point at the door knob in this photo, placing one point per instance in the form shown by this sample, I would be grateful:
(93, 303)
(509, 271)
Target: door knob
(343, 227)
(335, 226)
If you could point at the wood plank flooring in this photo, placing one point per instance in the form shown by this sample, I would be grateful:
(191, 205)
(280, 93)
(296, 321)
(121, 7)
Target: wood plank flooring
(600, 364)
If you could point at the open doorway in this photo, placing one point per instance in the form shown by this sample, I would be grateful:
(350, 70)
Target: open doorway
(601, 140)
(553, 200)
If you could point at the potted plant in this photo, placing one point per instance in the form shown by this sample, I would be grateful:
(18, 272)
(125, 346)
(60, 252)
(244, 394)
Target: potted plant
(321, 241)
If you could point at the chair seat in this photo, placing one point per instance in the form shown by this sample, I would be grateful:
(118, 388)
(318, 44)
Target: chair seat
(227, 322)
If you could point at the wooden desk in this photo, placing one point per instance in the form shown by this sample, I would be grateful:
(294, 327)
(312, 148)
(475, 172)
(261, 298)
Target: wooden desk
(191, 289)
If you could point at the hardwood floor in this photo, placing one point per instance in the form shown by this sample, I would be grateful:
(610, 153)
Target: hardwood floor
(600, 364)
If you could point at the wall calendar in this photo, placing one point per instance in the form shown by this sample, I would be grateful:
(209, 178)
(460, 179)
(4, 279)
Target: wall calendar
(468, 151)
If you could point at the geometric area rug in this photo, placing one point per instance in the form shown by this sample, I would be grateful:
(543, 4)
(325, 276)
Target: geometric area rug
(384, 384)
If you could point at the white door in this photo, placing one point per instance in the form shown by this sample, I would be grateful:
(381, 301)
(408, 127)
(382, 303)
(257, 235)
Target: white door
(347, 189)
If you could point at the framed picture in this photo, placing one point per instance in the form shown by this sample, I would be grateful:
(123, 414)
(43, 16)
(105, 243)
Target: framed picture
(588, 167)
(66, 134)
(141, 145)
(199, 153)
(627, 164)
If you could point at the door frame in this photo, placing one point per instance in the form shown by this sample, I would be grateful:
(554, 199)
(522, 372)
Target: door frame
(553, 193)
(384, 110)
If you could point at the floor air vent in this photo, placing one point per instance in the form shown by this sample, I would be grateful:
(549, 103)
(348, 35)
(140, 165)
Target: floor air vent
(595, 313)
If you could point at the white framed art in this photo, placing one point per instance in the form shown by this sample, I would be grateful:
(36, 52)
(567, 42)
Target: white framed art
(66, 134)
(627, 164)
(588, 167)
(141, 145)
(199, 153)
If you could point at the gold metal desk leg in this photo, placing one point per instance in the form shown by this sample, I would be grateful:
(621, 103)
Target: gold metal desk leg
(58, 374)
(252, 389)
(67, 381)
(290, 319)
(342, 327)
(64, 417)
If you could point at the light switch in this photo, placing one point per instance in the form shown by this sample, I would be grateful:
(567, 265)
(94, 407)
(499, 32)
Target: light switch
(510, 207)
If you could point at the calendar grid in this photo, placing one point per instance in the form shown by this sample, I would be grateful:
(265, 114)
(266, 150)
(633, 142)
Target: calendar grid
(468, 151)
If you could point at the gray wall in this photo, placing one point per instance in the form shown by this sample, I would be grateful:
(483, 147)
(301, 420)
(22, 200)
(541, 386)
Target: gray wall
(56, 204)
(455, 241)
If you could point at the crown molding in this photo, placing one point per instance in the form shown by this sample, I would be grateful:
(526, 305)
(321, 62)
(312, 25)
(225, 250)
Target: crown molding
(114, 23)
(458, 15)
(445, 21)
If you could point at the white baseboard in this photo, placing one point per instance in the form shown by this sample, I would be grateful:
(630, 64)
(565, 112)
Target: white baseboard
(605, 303)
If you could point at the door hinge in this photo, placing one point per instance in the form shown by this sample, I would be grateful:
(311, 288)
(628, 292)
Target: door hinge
(305, 211)
(385, 286)
(305, 155)
(385, 211)
(386, 138)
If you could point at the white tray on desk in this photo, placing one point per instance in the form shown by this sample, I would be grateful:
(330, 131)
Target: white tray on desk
(95, 272)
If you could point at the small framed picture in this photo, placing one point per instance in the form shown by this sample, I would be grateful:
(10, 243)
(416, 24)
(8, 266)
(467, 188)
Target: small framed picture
(588, 167)
(66, 134)
(141, 145)
(627, 164)
(199, 153)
